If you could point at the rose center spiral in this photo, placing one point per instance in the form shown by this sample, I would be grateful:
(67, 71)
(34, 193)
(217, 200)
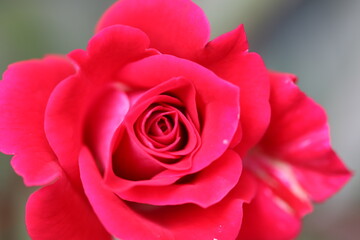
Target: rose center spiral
(161, 126)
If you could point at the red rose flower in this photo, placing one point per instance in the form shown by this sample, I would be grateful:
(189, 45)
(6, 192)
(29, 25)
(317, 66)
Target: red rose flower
(153, 132)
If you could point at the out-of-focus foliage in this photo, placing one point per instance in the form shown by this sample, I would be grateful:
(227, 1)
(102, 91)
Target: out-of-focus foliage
(316, 39)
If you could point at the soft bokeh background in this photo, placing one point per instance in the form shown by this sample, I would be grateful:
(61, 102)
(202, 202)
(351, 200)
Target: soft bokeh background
(316, 39)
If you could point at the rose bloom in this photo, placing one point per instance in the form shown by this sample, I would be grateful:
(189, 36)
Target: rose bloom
(153, 132)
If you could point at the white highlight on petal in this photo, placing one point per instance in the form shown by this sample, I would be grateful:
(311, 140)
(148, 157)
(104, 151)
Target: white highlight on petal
(225, 141)
(285, 173)
(283, 205)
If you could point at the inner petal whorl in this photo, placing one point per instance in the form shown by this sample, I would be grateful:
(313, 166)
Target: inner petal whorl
(159, 128)
(166, 131)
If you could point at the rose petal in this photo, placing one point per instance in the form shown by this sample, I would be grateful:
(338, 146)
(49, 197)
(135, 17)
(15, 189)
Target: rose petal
(268, 218)
(217, 100)
(117, 217)
(131, 162)
(233, 42)
(299, 134)
(280, 177)
(246, 187)
(321, 185)
(106, 114)
(70, 100)
(177, 27)
(24, 93)
(58, 211)
(229, 58)
(205, 189)
(109, 50)
(137, 221)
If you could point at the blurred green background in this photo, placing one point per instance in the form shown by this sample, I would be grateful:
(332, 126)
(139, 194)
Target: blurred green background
(316, 39)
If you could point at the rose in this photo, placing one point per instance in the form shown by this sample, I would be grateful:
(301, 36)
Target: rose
(136, 135)
(144, 135)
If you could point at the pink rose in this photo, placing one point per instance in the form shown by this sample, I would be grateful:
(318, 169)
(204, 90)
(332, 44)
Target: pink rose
(153, 132)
